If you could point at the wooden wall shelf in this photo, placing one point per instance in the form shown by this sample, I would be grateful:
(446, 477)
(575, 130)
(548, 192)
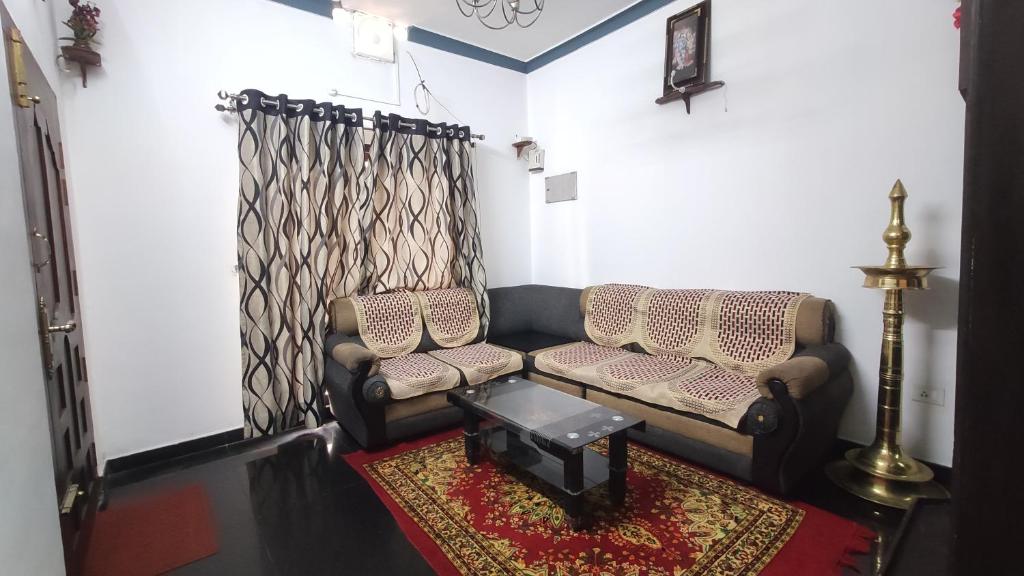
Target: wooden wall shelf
(85, 57)
(521, 146)
(688, 92)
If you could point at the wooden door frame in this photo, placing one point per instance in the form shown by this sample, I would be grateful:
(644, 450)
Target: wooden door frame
(987, 496)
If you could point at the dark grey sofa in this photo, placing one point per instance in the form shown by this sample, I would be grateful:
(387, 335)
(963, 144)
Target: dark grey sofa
(782, 436)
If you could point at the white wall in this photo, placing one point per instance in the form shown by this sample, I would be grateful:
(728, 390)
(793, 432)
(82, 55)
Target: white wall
(829, 103)
(29, 533)
(154, 175)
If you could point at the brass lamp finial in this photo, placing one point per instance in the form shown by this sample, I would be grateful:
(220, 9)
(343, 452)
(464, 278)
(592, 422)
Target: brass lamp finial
(896, 273)
(896, 235)
(882, 472)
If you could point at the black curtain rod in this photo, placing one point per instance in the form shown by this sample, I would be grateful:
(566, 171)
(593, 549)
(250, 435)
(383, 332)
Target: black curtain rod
(224, 95)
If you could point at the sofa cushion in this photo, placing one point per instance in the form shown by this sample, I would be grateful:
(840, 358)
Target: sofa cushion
(481, 362)
(744, 332)
(389, 324)
(715, 435)
(708, 390)
(610, 317)
(751, 331)
(450, 315)
(676, 382)
(564, 360)
(416, 406)
(416, 374)
(527, 341)
(341, 317)
(682, 384)
(673, 321)
(815, 322)
(570, 388)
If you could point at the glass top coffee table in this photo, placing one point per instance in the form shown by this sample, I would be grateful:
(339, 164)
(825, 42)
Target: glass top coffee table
(547, 433)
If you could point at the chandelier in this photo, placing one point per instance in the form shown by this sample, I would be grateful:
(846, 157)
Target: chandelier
(512, 12)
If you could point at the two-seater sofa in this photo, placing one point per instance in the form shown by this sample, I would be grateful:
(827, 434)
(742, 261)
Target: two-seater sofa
(391, 358)
(746, 383)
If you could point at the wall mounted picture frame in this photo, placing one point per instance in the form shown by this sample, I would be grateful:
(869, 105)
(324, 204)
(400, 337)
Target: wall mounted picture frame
(687, 47)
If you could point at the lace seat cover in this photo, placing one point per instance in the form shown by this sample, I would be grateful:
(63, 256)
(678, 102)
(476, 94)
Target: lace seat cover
(611, 313)
(390, 325)
(451, 316)
(481, 362)
(705, 346)
(416, 374)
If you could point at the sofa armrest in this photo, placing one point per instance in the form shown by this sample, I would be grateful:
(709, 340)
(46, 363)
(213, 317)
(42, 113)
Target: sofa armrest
(355, 401)
(350, 353)
(806, 371)
(376, 391)
(805, 433)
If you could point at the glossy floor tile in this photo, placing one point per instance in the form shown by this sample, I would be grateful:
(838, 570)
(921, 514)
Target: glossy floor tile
(292, 505)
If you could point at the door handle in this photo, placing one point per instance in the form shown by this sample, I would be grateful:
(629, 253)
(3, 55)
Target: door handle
(45, 329)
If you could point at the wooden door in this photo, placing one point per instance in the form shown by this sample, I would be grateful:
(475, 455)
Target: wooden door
(56, 286)
(988, 501)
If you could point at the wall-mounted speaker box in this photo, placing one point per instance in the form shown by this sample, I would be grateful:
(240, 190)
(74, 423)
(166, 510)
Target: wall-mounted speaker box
(560, 188)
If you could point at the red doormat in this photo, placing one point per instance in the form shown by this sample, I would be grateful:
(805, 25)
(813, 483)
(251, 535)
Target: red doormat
(484, 520)
(152, 535)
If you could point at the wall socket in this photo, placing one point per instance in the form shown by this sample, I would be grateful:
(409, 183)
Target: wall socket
(936, 396)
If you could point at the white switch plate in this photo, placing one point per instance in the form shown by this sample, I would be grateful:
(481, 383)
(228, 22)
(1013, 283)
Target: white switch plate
(936, 396)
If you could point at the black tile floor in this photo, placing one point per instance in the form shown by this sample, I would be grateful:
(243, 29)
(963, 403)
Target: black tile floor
(291, 505)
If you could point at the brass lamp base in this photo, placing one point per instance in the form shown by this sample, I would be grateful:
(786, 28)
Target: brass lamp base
(885, 491)
(889, 462)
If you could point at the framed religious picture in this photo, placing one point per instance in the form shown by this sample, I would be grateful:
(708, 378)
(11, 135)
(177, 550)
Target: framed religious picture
(687, 47)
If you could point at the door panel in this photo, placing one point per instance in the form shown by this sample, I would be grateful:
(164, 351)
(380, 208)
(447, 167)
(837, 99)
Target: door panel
(55, 276)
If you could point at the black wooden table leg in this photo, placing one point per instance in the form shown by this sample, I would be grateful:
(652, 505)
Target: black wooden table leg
(471, 435)
(573, 482)
(617, 466)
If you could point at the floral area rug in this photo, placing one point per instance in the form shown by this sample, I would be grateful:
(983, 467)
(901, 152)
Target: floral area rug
(491, 519)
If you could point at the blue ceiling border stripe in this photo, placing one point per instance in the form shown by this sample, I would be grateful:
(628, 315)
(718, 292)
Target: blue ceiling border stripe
(434, 40)
(320, 7)
(627, 16)
(440, 42)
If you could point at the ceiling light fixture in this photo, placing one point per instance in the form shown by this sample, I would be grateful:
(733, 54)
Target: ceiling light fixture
(523, 13)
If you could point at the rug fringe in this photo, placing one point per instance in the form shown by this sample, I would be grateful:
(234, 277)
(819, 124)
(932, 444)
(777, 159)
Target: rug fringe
(859, 544)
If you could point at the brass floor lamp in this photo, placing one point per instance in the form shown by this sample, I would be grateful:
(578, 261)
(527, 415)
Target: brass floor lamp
(881, 472)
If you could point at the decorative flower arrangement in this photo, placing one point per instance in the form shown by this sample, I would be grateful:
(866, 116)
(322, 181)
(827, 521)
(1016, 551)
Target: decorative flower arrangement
(84, 23)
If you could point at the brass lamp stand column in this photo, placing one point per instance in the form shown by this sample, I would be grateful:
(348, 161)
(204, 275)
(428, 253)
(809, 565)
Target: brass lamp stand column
(881, 472)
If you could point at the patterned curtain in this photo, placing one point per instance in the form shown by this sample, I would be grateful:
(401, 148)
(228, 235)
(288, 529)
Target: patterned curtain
(300, 245)
(318, 221)
(423, 232)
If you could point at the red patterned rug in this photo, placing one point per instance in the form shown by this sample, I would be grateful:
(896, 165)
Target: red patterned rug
(153, 534)
(677, 519)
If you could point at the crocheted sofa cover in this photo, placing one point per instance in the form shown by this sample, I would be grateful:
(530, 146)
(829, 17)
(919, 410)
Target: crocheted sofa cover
(704, 348)
(391, 326)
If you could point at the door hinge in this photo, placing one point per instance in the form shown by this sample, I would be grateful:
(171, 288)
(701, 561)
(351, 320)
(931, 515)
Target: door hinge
(18, 75)
(67, 504)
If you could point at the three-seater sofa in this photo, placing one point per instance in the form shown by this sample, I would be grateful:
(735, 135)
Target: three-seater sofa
(750, 384)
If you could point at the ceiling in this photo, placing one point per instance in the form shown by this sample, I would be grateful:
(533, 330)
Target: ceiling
(560, 21)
